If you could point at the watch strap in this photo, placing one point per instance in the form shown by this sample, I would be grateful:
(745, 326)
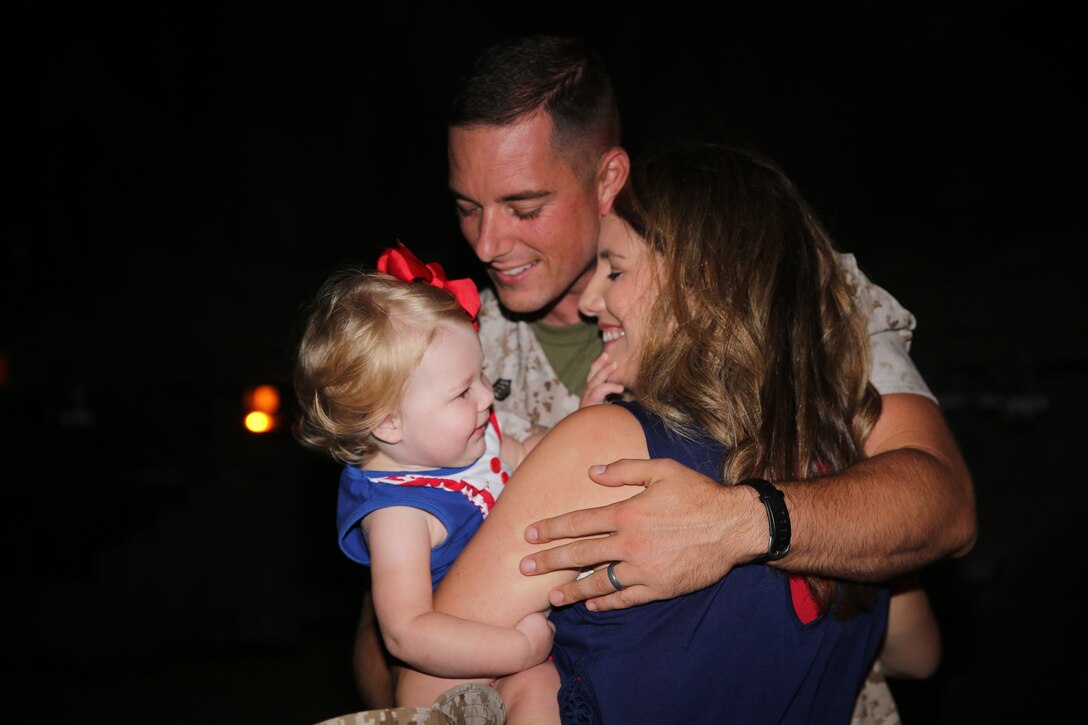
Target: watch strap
(778, 519)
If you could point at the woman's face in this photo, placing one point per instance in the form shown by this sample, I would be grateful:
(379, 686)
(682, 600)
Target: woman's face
(620, 295)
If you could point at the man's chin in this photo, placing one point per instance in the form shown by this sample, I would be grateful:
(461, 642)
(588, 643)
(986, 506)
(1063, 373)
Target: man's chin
(522, 302)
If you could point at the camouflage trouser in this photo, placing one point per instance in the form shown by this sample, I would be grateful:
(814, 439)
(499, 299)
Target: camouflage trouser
(391, 716)
(469, 704)
(875, 704)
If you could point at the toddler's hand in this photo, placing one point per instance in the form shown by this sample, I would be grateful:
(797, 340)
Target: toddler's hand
(540, 632)
(597, 386)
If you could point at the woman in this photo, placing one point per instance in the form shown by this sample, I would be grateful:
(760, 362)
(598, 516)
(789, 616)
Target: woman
(726, 314)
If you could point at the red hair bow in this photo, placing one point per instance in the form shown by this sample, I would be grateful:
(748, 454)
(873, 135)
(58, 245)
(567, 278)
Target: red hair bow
(404, 265)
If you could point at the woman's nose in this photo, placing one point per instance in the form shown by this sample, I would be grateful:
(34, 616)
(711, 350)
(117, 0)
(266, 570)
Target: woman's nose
(590, 303)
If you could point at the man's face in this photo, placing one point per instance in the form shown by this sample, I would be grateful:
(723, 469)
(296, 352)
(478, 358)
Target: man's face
(526, 213)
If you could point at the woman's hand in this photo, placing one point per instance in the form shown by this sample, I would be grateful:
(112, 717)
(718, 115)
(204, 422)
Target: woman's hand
(597, 385)
(683, 533)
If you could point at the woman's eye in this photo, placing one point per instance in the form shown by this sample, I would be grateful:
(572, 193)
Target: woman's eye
(464, 211)
(613, 275)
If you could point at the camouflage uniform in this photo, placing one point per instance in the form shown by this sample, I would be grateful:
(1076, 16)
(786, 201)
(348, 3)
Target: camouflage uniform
(467, 704)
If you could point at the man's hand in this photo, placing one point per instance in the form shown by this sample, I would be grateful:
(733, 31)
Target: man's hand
(598, 388)
(683, 533)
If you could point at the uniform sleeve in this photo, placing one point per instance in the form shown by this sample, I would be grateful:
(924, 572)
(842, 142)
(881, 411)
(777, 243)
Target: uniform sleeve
(513, 425)
(891, 327)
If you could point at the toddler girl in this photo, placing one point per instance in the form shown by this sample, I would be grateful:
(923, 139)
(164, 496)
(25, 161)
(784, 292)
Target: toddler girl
(390, 381)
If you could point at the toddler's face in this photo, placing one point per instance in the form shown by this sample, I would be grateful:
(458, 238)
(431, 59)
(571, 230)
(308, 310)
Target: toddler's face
(447, 403)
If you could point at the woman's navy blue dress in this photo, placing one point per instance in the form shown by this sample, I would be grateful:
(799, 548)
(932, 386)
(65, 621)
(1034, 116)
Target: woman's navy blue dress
(734, 652)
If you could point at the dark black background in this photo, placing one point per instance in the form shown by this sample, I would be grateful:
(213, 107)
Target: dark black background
(180, 179)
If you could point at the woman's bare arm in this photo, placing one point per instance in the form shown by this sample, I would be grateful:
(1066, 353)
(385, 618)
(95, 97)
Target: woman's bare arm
(484, 583)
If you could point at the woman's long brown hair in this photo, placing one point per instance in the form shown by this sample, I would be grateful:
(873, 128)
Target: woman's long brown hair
(767, 352)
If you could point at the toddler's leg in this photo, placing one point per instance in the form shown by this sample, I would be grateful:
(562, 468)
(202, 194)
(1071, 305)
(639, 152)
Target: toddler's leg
(531, 697)
(415, 689)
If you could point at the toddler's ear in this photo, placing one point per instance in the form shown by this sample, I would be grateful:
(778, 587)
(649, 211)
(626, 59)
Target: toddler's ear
(388, 431)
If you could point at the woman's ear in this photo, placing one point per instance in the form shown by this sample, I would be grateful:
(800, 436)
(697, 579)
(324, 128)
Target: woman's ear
(389, 430)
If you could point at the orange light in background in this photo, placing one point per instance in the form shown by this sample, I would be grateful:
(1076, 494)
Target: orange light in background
(4, 370)
(262, 403)
(265, 398)
(258, 422)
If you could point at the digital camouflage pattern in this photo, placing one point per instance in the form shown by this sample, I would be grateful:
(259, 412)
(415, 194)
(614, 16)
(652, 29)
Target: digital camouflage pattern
(468, 704)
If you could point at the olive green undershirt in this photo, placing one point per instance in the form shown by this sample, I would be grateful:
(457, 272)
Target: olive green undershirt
(570, 350)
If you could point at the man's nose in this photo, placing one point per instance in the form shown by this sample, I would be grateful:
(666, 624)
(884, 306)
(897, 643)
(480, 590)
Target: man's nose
(493, 239)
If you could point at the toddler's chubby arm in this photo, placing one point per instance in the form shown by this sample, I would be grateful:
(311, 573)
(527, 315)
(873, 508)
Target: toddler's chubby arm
(400, 540)
(515, 451)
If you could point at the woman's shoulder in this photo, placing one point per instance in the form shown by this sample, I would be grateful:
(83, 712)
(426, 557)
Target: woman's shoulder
(600, 413)
(604, 428)
(553, 478)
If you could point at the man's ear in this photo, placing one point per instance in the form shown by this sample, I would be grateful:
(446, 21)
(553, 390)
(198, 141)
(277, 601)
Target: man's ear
(389, 431)
(612, 171)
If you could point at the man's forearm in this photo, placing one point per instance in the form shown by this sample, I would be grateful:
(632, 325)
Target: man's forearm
(908, 505)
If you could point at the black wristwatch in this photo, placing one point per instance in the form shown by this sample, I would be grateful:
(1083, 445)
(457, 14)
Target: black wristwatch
(778, 519)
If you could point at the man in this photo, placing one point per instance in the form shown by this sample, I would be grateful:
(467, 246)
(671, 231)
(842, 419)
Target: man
(535, 163)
